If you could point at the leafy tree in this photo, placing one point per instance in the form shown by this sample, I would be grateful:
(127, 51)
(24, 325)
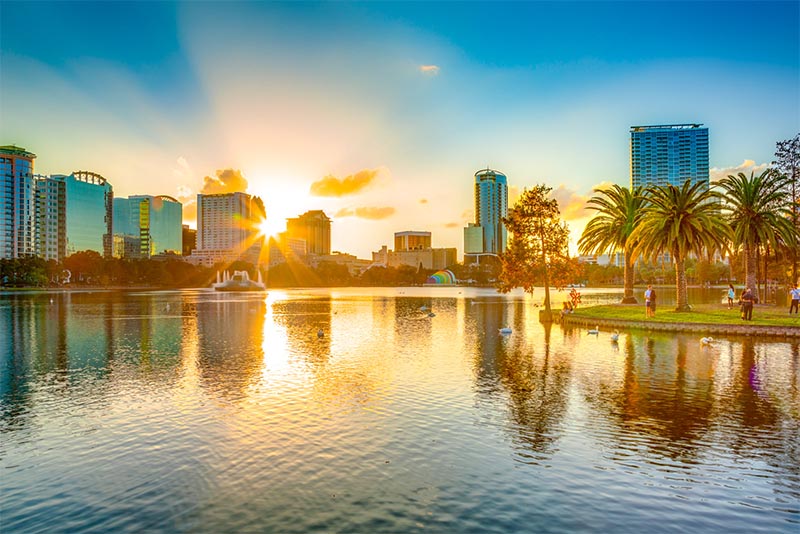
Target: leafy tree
(758, 214)
(538, 251)
(618, 211)
(787, 154)
(679, 221)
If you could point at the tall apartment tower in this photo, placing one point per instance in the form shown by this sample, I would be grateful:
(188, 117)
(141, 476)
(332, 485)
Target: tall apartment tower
(227, 227)
(669, 154)
(17, 202)
(313, 226)
(146, 225)
(491, 205)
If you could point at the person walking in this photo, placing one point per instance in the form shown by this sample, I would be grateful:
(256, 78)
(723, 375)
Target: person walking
(731, 296)
(747, 304)
(794, 294)
(647, 303)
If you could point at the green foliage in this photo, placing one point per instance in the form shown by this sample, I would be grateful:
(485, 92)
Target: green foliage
(680, 221)
(702, 314)
(538, 251)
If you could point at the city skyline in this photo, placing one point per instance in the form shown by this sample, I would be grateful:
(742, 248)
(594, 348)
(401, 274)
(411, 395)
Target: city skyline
(380, 114)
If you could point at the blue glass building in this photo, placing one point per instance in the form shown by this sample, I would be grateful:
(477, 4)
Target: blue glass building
(145, 225)
(17, 203)
(88, 212)
(491, 205)
(669, 154)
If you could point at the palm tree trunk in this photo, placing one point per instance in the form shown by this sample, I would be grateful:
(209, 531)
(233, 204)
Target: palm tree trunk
(627, 295)
(750, 267)
(682, 293)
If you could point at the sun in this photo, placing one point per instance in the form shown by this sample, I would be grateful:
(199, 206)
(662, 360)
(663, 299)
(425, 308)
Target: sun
(270, 227)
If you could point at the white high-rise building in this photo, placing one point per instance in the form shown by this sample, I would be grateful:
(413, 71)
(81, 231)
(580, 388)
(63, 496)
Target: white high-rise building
(228, 228)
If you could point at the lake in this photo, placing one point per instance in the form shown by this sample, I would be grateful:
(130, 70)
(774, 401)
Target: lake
(353, 410)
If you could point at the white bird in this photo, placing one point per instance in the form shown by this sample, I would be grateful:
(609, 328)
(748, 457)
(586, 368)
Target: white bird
(595, 331)
(615, 336)
(505, 330)
(167, 307)
(320, 333)
(51, 301)
(706, 340)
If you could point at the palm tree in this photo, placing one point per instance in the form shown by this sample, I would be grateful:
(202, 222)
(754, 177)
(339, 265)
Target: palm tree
(679, 221)
(759, 214)
(618, 211)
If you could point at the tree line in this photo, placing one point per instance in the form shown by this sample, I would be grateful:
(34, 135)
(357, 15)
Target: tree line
(755, 218)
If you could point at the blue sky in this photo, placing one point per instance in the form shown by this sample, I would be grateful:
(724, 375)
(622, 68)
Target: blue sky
(413, 96)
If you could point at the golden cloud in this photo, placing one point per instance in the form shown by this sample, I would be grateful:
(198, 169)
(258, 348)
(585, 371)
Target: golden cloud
(226, 181)
(430, 70)
(187, 197)
(371, 213)
(571, 203)
(423, 201)
(331, 186)
(452, 225)
(747, 166)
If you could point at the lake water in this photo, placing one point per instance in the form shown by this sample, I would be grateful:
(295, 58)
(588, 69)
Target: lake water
(194, 411)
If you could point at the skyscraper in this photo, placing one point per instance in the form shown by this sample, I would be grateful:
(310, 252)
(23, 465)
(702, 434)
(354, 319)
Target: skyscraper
(17, 203)
(313, 226)
(145, 225)
(227, 228)
(669, 154)
(491, 205)
(73, 214)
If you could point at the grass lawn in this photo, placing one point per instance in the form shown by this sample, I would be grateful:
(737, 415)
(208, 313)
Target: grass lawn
(703, 313)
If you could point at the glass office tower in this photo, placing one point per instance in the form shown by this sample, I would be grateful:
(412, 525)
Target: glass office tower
(89, 200)
(145, 225)
(491, 205)
(669, 154)
(17, 203)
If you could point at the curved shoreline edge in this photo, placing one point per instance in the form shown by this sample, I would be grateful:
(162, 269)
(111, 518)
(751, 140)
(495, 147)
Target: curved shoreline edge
(702, 328)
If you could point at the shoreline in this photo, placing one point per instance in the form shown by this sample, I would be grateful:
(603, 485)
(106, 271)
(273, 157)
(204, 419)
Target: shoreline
(585, 317)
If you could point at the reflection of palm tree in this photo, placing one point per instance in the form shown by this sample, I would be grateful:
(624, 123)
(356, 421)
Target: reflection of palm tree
(670, 410)
(618, 211)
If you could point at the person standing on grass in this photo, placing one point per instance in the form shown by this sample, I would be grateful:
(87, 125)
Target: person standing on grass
(731, 296)
(794, 294)
(647, 303)
(747, 304)
(652, 303)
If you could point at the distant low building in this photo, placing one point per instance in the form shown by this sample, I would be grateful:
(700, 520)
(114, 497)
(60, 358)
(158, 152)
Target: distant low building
(354, 265)
(412, 240)
(431, 258)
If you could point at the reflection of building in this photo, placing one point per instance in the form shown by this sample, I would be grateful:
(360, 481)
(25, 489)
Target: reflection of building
(73, 214)
(17, 202)
(412, 240)
(315, 228)
(491, 205)
(669, 154)
(153, 224)
(189, 239)
(227, 228)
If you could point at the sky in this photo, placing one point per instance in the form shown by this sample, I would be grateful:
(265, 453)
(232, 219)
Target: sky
(381, 113)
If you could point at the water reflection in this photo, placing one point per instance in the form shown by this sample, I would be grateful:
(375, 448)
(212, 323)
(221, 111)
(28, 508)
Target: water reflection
(237, 402)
